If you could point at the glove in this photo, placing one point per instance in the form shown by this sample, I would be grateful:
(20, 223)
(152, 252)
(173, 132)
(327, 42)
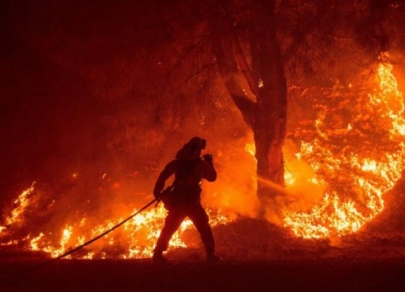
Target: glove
(157, 194)
(208, 158)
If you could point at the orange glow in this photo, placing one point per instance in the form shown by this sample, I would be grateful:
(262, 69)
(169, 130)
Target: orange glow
(365, 171)
(347, 168)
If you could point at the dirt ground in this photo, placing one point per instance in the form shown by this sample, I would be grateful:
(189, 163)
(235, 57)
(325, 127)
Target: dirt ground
(257, 256)
(332, 274)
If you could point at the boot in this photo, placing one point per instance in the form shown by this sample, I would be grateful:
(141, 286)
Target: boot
(213, 257)
(158, 257)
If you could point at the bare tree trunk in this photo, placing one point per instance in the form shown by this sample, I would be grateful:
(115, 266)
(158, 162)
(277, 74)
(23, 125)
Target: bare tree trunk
(271, 117)
(264, 106)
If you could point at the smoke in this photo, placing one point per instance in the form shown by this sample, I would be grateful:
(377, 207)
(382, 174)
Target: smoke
(234, 192)
(303, 189)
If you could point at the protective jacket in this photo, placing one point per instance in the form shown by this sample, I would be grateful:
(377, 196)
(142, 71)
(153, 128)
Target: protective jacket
(189, 174)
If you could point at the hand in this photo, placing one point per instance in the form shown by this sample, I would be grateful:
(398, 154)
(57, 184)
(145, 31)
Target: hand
(157, 194)
(208, 158)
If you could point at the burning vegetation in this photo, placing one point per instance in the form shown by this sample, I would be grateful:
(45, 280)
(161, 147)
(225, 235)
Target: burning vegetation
(351, 153)
(355, 147)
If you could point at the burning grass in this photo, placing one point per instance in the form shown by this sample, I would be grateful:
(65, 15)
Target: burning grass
(356, 150)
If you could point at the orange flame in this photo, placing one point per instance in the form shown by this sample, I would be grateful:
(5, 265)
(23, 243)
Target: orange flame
(16, 215)
(21, 204)
(372, 172)
(138, 235)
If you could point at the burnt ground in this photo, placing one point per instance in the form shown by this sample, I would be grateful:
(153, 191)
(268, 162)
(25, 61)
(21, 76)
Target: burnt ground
(337, 274)
(257, 256)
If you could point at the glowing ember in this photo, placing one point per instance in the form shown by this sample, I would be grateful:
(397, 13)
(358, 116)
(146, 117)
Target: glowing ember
(362, 169)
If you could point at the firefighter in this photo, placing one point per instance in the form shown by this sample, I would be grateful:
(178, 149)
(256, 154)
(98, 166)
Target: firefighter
(182, 198)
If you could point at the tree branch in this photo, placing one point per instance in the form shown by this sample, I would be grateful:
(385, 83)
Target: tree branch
(232, 76)
(300, 38)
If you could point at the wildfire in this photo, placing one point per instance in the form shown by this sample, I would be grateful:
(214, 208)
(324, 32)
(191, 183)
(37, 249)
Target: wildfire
(357, 174)
(136, 239)
(21, 203)
(356, 151)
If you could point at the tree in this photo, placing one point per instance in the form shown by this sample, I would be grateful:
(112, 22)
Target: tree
(257, 48)
(252, 63)
(262, 95)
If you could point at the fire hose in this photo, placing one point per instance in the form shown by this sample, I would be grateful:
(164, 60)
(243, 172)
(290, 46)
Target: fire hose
(90, 241)
(106, 232)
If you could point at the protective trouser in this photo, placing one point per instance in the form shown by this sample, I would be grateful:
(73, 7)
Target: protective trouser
(176, 216)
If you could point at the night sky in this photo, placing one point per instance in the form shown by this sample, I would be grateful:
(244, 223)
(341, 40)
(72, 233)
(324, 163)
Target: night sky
(56, 85)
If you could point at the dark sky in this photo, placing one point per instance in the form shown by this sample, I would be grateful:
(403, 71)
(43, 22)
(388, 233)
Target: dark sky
(52, 54)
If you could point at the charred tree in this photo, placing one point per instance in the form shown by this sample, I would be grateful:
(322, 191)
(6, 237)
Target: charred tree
(259, 89)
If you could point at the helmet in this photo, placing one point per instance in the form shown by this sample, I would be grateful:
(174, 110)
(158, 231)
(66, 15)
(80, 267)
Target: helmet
(197, 142)
(192, 149)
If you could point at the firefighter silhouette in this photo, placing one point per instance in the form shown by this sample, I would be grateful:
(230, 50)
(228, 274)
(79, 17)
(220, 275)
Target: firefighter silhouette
(182, 198)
